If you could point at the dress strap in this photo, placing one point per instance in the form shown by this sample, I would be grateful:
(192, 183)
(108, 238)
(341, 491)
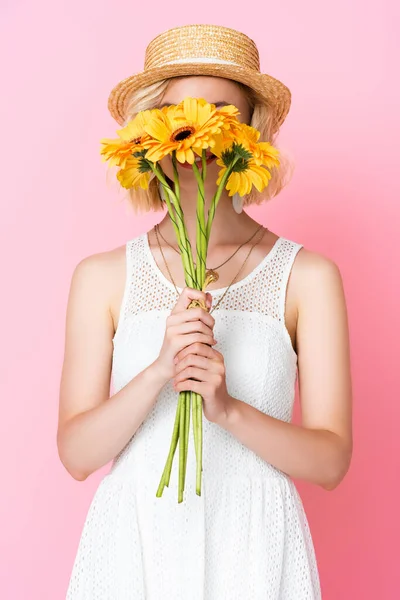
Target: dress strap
(127, 295)
(288, 252)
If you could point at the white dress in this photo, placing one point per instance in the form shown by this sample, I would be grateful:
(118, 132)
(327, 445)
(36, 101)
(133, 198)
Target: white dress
(247, 536)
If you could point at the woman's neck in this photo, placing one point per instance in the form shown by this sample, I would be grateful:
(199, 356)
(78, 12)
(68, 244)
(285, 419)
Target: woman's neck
(228, 227)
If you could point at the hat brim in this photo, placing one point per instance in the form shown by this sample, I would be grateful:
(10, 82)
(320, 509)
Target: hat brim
(273, 91)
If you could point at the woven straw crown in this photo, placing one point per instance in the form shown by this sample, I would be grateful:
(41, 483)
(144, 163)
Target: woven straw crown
(203, 50)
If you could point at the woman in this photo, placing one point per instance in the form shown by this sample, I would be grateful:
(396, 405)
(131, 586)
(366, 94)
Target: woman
(278, 311)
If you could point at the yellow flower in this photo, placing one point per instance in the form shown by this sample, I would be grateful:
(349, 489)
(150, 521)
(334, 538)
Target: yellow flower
(117, 151)
(263, 152)
(230, 120)
(185, 128)
(133, 174)
(241, 182)
(222, 142)
(135, 131)
(253, 159)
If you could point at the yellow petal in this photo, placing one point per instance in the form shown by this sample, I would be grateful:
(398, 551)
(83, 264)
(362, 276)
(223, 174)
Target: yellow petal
(245, 184)
(190, 109)
(157, 152)
(233, 183)
(131, 177)
(181, 156)
(204, 113)
(157, 129)
(260, 177)
(220, 174)
(144, 181)
(229, 110)
(250, 133)
(189, 156)
(128, 132)
(256, 179)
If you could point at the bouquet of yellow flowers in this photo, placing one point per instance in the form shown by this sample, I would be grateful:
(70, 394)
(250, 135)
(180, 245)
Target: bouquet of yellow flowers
(193, 128)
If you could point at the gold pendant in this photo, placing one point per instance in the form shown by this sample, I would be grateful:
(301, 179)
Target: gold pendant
(212, 275)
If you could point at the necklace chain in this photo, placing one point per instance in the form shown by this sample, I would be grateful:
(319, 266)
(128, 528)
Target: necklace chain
(157, 227)
(233, 280)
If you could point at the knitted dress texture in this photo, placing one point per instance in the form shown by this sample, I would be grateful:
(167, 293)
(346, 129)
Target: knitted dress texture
(247, 536)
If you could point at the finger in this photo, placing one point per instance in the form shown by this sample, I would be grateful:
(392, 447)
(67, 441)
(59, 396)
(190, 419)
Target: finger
(194, 360)
(188, 316)
(190, 338)
(187, 295)
(218, 354)
(191, 385)
(196, 348)
(193, 314)
(194, 373)
(198, 314)
(192, 327)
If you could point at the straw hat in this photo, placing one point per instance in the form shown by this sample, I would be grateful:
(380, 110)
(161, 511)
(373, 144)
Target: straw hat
(203, 50)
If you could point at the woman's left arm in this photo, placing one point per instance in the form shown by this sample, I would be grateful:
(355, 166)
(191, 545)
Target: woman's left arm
(320, 449)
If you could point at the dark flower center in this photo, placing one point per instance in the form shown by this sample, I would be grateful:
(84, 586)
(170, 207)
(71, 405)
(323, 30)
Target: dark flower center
(182, 133)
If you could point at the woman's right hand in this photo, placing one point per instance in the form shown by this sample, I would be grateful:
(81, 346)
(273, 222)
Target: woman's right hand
(183, 327)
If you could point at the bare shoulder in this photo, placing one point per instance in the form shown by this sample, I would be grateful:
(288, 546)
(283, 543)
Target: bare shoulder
(315, 292)
(314, 278)
(313, 274)
(101, 268)
(102, 274)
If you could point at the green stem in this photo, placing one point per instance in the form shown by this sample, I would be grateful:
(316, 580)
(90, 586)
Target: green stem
(203, 165)
(187, 426)
(167, 469)
(199, 443)
(181, 478)
(201, 273)
(194, 419)
(217, 196)
(200, 227)
(192, 276)
(169, 193)
(179, 226)
(203, 216)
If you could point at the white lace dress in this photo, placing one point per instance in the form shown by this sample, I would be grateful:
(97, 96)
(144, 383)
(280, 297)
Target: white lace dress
(247, 536)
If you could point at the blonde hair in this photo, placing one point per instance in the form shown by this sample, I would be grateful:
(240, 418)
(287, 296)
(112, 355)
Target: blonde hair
(262, 119)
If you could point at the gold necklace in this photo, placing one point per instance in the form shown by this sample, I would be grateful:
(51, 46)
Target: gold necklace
(211, 271)
(237, 274)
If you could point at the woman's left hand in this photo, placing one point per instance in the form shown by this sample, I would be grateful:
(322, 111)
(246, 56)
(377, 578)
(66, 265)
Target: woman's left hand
(206, 365)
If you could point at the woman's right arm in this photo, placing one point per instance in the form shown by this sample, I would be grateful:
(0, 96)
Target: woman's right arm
(92, 426)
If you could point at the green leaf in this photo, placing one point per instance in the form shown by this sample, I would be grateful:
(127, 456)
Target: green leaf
(236, 151)
(140, 153)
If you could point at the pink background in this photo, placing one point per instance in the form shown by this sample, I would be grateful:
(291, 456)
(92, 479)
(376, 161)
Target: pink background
(340, 61)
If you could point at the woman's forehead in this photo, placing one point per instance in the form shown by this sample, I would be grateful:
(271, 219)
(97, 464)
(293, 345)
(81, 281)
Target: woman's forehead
(216, 90)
